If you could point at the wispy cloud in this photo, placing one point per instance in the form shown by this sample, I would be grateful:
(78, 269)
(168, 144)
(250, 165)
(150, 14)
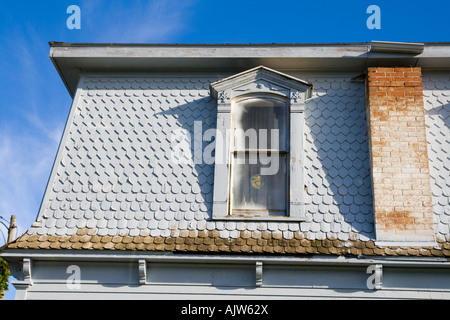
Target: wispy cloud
(145, 21)
(25, 163)
(29, 134)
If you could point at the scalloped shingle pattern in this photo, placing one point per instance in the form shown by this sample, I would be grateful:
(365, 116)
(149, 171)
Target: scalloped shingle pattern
(437, 117)
(337, 161)
(116, 173)
(115, 176)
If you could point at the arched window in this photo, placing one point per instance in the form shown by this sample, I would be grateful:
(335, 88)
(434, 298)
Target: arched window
(262, 175)
(260, 149)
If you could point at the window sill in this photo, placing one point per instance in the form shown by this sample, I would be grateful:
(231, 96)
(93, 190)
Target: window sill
(258, 218)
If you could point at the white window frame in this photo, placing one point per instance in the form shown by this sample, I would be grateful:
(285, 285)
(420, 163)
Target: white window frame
(259, 83)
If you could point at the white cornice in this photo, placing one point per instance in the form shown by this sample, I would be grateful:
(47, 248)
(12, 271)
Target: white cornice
(71, 59)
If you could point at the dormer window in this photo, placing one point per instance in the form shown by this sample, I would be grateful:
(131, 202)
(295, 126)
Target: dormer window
(262, 175)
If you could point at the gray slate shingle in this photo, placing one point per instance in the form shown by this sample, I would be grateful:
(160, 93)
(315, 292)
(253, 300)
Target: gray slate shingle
(437, 117)
(115, 176)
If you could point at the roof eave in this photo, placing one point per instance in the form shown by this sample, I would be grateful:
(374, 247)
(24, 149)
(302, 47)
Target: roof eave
(71, 59)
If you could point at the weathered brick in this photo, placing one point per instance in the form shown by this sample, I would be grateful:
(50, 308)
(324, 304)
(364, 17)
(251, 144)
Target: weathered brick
(399, 151)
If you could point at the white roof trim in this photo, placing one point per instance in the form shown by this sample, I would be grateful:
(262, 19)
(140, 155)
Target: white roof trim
(260, 71)
(71, 59)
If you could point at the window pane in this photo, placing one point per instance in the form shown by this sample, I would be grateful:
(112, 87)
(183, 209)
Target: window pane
(253, 189)
(260, 124)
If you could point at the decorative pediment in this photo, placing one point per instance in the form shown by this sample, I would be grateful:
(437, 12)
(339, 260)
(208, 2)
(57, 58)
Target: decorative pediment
(261, 80)
(261, 86)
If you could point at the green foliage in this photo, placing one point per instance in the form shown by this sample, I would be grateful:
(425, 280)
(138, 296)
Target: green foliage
(4, 275)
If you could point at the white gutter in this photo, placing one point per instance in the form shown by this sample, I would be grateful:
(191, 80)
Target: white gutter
(397, 47)
(425, 262)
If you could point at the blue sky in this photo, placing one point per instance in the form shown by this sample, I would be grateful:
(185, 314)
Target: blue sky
(34, 103)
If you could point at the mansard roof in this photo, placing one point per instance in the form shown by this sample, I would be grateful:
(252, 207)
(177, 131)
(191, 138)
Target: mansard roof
(113, 186)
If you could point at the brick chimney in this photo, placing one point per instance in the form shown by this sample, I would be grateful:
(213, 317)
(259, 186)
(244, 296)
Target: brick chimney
(399, 159)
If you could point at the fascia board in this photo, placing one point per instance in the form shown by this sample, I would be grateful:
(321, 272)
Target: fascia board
(207, 51)
(70, 89)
